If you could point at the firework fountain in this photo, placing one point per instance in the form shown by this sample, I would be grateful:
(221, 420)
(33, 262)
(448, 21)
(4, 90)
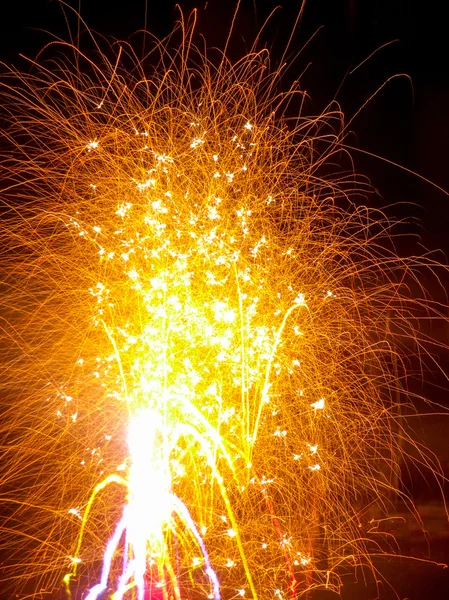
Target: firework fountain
(201, 399)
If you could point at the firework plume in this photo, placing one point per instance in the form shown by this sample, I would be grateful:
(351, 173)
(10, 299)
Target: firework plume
(198, 374)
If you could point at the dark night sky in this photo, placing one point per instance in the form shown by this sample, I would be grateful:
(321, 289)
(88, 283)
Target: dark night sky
(407, 122)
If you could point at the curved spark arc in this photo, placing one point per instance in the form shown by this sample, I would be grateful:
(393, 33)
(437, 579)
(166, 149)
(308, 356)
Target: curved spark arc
(148, 513)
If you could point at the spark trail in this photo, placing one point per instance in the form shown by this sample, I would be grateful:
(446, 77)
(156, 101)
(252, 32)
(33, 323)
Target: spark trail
(195, 332)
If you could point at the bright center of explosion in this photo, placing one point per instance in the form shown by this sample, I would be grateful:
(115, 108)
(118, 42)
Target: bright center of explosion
(149, 482)
(148, 516)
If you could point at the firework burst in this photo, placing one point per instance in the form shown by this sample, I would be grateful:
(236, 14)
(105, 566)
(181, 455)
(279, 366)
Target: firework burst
(197, 364)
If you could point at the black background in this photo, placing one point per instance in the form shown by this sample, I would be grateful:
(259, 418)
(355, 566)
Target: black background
(407, 122)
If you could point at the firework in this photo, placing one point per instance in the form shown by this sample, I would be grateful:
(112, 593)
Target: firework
(198, 365)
